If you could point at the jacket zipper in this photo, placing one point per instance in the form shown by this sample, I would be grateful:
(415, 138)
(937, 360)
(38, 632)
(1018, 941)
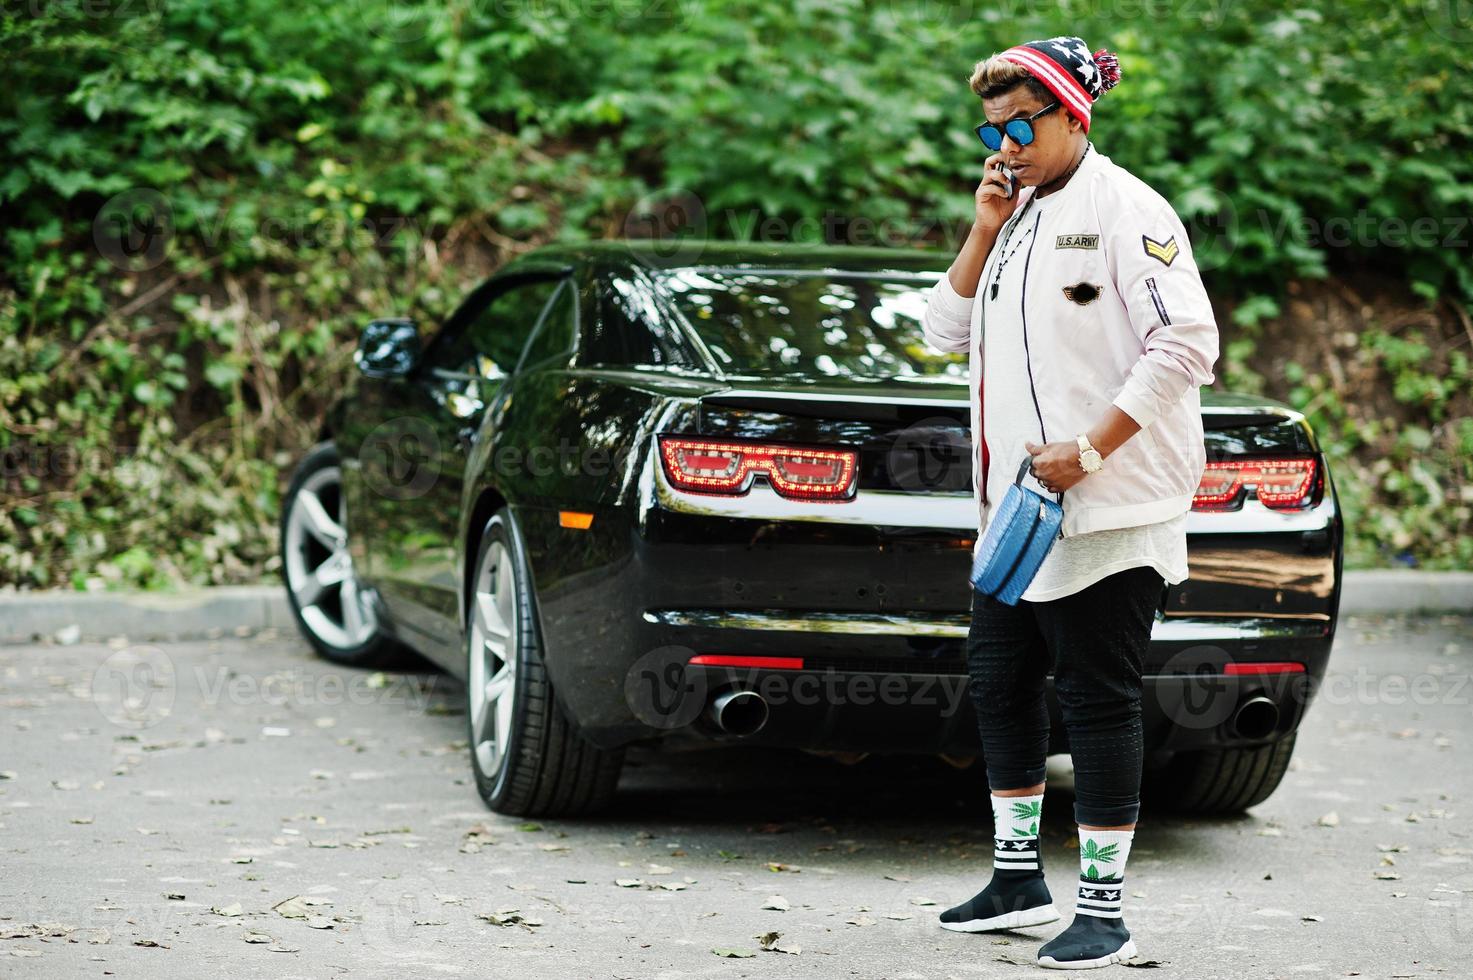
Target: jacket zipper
(1027, 357)
(1005, 235)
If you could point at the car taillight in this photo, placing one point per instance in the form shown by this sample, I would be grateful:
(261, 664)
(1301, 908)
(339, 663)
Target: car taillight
(722, 466)
(1281, 483)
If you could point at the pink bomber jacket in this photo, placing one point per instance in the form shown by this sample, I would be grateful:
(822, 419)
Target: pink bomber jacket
(1145, 344)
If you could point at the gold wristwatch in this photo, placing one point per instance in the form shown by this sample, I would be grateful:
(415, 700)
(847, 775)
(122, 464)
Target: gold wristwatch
(1090, 459)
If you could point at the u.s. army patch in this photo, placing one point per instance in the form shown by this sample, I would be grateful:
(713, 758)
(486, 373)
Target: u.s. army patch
(1165, 252)
(1077, 241)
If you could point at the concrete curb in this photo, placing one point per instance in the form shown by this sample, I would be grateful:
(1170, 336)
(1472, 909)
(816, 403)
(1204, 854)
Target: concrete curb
(70, 616)
(244, 609)
(1391, 590)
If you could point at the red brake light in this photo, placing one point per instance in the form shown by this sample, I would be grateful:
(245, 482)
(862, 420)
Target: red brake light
(1280, 483)
(1276, 667)
(725, 467)
(726, 660)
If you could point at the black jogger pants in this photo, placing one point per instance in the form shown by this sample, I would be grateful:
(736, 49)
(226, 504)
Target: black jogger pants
(1095, 641)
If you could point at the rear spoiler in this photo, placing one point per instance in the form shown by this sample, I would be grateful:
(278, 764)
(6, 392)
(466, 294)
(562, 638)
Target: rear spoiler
(837, 404)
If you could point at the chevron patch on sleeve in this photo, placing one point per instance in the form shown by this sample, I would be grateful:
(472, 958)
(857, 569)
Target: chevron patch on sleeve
(1165, 251)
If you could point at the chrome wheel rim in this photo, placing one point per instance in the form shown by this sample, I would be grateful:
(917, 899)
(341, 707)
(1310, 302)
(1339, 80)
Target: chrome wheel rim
(493, 659)
(319, 568)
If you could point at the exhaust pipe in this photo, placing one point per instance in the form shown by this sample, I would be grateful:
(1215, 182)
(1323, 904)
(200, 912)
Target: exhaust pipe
(738, 712)
(1254, 718)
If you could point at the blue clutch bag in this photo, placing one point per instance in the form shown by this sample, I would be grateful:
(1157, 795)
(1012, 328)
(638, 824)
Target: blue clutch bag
(1018, 537)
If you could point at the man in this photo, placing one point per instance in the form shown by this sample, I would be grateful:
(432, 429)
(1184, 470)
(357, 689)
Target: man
(1080, 289)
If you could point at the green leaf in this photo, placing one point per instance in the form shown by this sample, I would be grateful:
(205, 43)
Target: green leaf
(222, 374)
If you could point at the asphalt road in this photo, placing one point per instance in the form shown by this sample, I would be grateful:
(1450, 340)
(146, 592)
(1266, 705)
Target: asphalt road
(237, 808)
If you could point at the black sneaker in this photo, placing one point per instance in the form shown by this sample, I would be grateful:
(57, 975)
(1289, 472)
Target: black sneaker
(1012, 899)
(1090, 941)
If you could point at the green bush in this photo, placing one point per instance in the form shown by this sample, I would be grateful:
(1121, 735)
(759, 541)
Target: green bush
(303, 166)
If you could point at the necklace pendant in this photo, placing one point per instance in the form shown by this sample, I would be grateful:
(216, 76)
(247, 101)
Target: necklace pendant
(994, 290)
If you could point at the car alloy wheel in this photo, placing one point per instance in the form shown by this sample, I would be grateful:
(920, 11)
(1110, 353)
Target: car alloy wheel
(492, 683)
(330, 603)
(527, 757)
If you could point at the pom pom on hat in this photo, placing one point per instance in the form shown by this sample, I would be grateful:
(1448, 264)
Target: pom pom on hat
(1109, 67)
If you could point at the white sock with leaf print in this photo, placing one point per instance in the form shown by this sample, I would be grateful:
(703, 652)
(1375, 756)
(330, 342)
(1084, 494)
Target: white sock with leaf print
(1097, 936)
(1016, 820)
(1102, 856)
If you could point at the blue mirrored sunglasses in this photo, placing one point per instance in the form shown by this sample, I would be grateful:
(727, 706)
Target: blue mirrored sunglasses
(1021, 130)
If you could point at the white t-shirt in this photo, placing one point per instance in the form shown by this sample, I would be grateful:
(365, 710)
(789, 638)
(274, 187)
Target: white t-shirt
(1009, 421)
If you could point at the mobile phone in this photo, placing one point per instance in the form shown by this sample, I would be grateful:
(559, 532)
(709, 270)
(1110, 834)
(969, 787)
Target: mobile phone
(1012, 187)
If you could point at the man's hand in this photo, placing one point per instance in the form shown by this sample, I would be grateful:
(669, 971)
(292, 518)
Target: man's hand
(1055, 464)
(994, 207)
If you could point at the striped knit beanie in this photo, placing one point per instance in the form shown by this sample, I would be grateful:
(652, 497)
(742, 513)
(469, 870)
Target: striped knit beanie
(1067, 69)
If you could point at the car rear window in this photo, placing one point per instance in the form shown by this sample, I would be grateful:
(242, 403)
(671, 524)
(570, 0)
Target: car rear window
(814, 324)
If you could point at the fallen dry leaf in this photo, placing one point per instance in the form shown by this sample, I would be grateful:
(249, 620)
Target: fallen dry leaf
(770, 943)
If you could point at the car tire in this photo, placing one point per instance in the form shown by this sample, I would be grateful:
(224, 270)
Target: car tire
(330, 607)
(1220, 781)
(528, 758)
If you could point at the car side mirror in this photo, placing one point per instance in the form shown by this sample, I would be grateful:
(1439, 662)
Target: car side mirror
(388, 348)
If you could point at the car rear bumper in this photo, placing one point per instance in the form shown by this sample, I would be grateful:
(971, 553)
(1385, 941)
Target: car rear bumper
(899, 683)
(880, 696)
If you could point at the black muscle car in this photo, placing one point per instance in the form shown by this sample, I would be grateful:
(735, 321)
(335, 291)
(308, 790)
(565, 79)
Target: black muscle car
(633, 493)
